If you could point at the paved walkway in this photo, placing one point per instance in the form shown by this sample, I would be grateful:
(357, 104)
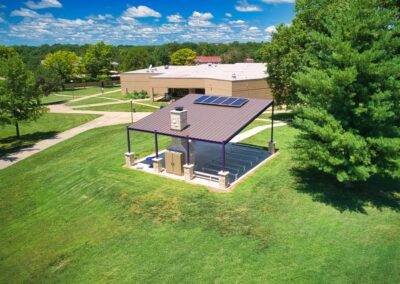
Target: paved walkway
(254, 131)
(106, 119)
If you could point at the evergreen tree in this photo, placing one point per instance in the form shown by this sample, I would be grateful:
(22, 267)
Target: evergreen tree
(349, 93)
(19, 95)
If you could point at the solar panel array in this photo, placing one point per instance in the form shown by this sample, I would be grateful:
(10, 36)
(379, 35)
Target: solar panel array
(221, 101)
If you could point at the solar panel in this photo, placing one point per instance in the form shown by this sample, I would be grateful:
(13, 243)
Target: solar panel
(201, 99)
(239, 102)
(228, 101)
(221, 101)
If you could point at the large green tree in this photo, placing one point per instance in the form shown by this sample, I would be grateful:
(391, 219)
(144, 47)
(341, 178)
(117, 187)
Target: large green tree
(184, 56)
(135, 58)
(349, 92)
(48, 80)
(64, 63)
(97, 59)
(19, 95)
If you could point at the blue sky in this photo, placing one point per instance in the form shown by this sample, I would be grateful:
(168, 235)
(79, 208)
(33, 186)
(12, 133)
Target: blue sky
(141, 22)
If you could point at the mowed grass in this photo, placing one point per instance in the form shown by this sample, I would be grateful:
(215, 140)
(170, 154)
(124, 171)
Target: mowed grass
(93, 100)
(32, 132)
(80, 92)
(73, 214)
(122, 107)
(256, 123)
(116, 95)
(55, 99)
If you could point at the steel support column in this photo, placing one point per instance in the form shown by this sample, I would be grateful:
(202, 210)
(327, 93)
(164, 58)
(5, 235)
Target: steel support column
(156, 142)
(223, 156)
(272, 122)
(187, 151)
(128, 140)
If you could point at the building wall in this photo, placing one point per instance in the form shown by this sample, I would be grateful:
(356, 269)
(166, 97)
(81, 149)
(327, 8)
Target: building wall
(258, 89)
(249, 88)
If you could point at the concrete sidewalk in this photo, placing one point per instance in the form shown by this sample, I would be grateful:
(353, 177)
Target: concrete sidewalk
(107, 119)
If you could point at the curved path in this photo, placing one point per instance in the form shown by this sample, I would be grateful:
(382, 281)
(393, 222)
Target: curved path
(106, 119)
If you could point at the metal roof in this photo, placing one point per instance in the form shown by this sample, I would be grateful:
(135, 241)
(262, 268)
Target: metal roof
(206, 122)
(208, 59)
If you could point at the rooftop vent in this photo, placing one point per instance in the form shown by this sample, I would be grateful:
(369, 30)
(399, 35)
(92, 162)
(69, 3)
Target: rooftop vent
(166, 67)
(234, 76)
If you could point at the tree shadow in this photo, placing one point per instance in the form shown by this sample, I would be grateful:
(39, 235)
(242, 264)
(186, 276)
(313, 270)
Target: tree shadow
(377, 192)
(54, 103)
(284, 116)
(11, 145)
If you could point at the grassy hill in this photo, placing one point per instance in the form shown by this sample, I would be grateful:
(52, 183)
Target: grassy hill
(72, 214)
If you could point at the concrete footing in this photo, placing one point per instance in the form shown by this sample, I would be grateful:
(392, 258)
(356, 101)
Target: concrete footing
(271, 147)
(188, 171)
(223, 179)
(157, 166)
(129, 159)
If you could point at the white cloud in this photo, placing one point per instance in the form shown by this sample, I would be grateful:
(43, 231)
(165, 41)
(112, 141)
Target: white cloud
(278, 1)
(2, 6)
(2, 21)
(244, 6)
(237, 23)
(175, 18)
(254, 29)
(198, 19)
(270, 29)
(100, 17)
(43, 4)
(228, 15)
(24, 13)
(141, 12)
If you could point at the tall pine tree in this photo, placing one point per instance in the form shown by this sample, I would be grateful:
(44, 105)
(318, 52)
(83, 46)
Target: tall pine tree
(349, 93)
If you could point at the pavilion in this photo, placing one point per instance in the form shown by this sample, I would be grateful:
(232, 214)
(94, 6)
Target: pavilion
(200, 124)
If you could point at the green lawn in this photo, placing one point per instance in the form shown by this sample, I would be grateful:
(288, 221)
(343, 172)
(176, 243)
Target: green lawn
(80, 92)
(256, 123)
(73, 214)
(122, 107)
(284, 116)
(88, 101)
(32, 132)
(155, 103)
(116, 95)
(53, 99)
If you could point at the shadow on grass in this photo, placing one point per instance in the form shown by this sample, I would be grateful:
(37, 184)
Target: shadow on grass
(54, 103)
(11, 145)
(377, 192)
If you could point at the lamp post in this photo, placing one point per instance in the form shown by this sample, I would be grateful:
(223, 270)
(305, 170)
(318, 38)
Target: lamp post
(131, 111)
(73, 89)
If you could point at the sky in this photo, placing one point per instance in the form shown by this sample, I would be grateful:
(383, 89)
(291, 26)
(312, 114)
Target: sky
(140, 22)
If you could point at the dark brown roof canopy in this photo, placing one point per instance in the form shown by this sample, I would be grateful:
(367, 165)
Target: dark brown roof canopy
(206, 122)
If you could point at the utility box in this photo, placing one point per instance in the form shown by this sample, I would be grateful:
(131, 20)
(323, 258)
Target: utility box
(174, 162)
(178, 118)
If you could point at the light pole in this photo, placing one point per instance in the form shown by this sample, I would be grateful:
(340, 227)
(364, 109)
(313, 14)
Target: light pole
(73, 89)
(132, 111)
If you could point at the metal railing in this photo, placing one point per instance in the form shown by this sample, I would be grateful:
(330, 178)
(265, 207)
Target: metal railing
(206, 176)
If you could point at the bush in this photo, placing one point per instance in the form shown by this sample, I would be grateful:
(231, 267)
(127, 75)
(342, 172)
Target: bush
(138, 95)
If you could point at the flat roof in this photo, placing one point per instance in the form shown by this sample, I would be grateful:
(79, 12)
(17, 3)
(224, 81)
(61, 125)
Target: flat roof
(206, 122)
(228, 72)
